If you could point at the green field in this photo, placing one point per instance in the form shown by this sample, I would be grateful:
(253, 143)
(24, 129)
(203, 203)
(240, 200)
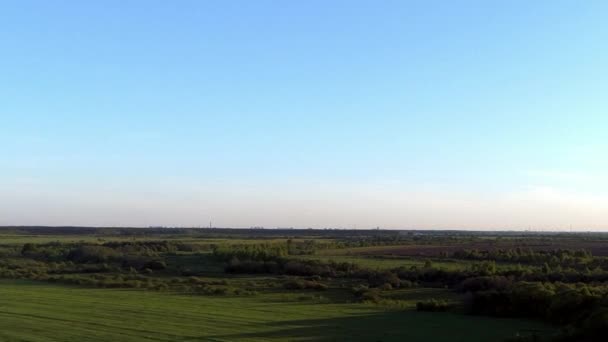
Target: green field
(389, 262)
(31, 311)
(386, 263)
(129, 284)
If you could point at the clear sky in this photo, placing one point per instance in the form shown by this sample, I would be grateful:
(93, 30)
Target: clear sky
(398, 114)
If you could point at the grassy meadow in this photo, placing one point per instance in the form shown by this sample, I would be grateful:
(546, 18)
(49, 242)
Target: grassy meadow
(121, 284)
(34, 311)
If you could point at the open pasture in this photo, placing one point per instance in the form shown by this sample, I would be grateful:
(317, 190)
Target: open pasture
(288, 285)
(31, 311)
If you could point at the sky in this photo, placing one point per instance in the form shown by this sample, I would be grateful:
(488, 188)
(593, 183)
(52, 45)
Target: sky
(343, 114)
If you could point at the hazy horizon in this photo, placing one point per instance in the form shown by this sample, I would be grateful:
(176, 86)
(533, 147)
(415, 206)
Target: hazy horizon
(342, 114)
(530, 231)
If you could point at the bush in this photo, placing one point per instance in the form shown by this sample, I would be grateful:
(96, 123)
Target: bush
(93, 254)
(376, 279)
(304, 284)
(385, 287)
(371, 295)
(432, 306)
(359, 290)
(155, 265)
(407, 284)
(484, 284)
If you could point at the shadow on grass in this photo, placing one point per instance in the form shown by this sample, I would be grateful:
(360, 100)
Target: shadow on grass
(394, 326)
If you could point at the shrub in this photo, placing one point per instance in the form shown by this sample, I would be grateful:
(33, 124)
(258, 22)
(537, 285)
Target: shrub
(432, 305)
(155, 265)
(371, 295)
(304, 284)
(484, 284)
(385, 287)
(93, 254)
(376, 279)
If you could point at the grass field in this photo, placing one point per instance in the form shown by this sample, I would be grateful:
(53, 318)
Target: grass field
(31, 311)
(389, 262)
(386, 263)
(267, 285)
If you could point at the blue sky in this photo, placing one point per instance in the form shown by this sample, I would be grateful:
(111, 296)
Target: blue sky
(398, 114)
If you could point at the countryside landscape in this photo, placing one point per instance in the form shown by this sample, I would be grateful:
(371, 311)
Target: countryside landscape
(306, 171)
(175, 284)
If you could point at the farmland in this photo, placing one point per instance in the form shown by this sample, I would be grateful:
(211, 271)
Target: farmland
(70, 284)
(43, 312)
